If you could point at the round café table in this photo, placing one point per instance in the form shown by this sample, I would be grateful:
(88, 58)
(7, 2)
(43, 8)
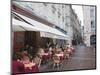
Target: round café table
(61, 55)
(31, 68)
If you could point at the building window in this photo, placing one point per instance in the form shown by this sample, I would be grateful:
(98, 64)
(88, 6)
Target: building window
(93, 28)
(62, 6)
(63, 18)
(45, 4)
(92, 13)
(53, 9)
(59, 14)
(66, 24)
(92, 24)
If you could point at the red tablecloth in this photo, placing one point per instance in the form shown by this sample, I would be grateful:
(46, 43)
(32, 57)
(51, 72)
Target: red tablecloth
(46, 56)
(61, 56)
(32, 70)
(19, 68)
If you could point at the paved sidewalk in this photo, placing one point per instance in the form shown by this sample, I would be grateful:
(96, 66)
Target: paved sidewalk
(83, 58)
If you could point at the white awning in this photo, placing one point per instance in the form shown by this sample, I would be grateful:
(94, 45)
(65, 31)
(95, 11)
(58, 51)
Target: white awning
(50, 35)
(22, 26)
(37, 26)
(17, 28)
(42, 26)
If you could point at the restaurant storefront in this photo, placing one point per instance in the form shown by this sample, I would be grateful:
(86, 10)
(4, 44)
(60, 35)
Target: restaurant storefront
(36, 34)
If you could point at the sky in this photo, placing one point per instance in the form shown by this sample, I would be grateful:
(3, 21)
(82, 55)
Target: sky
(79, 12)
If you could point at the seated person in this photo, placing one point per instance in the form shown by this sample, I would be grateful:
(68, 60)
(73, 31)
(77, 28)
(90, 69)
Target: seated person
(24, 53)
(60, 53)
(37, 60)
(41, 51)
(69, 50)
(56, 61)
(59, 50)
(66, 54)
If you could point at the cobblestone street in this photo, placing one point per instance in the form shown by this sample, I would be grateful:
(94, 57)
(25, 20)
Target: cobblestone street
(83, 58)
